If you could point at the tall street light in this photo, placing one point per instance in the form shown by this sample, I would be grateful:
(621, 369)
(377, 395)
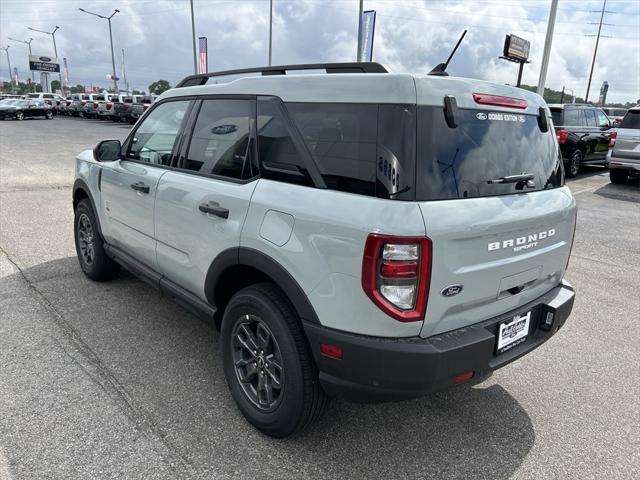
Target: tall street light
(113, 58)
(55, 49)
(6, 49)
(33, 78)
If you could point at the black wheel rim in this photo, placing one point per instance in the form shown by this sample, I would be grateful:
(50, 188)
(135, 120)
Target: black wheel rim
(257, 362)
(85, 239)
(19, 115)
(575, 163)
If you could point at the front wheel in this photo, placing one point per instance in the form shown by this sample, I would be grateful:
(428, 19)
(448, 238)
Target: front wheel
(575, 161)
(20, 116)
(89, 245)
(618, 176)
(267, 363)
(49, 115)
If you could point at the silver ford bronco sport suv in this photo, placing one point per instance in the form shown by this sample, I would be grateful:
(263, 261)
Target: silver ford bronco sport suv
(354, 234)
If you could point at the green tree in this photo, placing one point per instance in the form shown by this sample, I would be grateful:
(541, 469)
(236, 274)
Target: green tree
(159, 86)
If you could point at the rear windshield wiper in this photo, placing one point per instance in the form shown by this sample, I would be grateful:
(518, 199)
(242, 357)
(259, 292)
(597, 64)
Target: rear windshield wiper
(521, 181)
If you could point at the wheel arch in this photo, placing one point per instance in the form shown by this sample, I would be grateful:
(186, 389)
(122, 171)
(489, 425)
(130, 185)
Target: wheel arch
(81, 191)
(240, 267)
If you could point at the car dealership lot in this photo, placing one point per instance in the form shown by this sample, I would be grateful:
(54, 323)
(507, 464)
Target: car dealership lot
(113, 381)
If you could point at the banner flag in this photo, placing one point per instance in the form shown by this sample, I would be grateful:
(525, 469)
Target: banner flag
(203, 60)
(368, 28)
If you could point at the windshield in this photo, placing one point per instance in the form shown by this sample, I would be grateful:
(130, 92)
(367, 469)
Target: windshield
(466, 162)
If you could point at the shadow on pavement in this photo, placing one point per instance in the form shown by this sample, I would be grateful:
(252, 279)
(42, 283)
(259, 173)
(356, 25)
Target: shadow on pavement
(168, 363)
(628, 192)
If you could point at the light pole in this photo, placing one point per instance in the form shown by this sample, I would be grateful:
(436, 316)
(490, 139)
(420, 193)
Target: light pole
(113, 58)
(193, 34)
(359, 30)
(6, 49)
(270, 28)
(55, 49)
(33, 78)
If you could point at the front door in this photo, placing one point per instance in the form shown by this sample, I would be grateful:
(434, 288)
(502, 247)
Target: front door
(129, 185)
(201, 207)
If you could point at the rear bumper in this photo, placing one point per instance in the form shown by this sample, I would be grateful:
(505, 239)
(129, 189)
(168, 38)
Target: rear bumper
(623, 164)
(374, 369)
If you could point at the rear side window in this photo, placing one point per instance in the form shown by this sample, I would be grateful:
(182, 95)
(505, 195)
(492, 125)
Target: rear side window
(631, 120)
(465, 162)
(221, 141)
(573, 118)
(367, 149)
(556, 116)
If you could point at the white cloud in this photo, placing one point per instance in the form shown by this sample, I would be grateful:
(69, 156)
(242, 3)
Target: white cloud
(411, 35)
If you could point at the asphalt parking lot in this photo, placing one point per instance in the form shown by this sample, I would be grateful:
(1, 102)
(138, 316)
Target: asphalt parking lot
(114, 381)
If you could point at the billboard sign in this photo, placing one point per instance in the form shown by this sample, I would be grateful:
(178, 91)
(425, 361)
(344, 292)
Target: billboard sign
(42, 63)
(368, 28)
(516, 48)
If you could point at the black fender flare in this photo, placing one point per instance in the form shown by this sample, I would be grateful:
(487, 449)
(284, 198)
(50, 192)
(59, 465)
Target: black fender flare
(245, 256)
(80, 184)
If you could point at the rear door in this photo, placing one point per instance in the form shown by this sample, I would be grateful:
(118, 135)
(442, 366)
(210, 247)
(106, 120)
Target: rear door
(129, 185)
(496, 246)
(201, 206)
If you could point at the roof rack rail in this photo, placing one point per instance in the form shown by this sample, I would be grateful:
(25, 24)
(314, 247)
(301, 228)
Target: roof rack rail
(347, 67)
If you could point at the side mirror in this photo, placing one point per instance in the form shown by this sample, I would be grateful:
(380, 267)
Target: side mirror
(107, 151)
(605, 127)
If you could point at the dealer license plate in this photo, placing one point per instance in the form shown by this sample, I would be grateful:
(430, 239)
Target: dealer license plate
(513, 332)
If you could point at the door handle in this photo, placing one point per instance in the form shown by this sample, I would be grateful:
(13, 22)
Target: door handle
(214, 209)
(140, 187)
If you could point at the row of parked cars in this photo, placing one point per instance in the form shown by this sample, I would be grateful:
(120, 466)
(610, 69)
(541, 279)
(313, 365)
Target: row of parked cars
(105, 106)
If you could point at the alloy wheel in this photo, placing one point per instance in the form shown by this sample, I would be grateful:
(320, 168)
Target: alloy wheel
(20, 116)
(85, 239)
(575, 163)
(257, 362)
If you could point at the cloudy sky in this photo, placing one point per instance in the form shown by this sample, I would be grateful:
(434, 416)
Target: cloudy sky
(411, 36)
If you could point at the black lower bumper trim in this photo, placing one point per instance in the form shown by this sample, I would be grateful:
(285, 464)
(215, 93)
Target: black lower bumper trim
(374, 369)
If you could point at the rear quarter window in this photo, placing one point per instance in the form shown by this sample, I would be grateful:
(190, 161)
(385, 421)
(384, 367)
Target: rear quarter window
(631, 120)
(461, 162)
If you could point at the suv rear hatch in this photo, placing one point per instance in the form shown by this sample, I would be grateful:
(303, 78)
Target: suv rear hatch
(627, 143)
(496, 246)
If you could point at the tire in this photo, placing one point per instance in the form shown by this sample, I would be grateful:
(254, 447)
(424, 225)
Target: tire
(261, 317)
(19, 116)
(48, 115)
(618, 176)
(574, 164)
(93, 259)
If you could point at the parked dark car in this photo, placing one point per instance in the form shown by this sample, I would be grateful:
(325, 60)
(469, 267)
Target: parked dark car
(583, 132)
(21, 109)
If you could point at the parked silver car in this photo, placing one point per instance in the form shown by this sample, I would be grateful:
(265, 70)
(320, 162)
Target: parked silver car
(623, 159)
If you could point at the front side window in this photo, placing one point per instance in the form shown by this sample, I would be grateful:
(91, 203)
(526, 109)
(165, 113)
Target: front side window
(590, 116)
(221, 143)
(154, 139)
(603, 120)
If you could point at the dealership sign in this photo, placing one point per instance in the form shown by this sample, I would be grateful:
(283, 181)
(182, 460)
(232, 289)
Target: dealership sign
(516, 49)
(42, 63)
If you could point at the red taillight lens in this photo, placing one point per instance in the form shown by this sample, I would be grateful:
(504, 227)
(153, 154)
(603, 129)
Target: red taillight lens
(396, 272)
(145, 108)
(464, 377)
(125, 107)
(499, 101)
(95, 104)
(562, 136)
(612, 139)
(82, 104)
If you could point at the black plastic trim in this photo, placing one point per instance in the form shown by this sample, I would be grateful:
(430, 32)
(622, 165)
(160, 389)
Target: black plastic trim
(281, 277)
(80, 184)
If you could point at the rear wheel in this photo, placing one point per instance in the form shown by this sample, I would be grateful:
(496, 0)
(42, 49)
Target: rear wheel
(89, 245)
(575, 161)
(267, 362)
(49, 115)
(19, 116)
(618, 176)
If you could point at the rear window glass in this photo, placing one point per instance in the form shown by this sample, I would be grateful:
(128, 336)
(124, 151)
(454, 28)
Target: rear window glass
(99, 98)
(556, 116)
(631, 120)
(465, 162)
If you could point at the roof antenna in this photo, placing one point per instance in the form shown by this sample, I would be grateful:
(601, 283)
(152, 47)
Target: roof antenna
(440, 69)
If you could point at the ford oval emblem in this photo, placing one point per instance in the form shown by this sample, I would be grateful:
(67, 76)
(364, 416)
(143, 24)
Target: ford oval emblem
(481, 116)
(45, 59)
(451, 290)
(224, 129)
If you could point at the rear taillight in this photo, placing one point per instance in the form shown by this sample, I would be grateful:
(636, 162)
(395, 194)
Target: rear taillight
(396, 272)
(499, 101)
(95, 104)
(612, 139)
(82, 104)
(109, 105)
(562, 136)
(145, 108)
(125, 107)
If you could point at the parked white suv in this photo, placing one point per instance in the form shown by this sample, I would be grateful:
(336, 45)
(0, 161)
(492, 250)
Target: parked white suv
(623, 159)
(356, 234)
